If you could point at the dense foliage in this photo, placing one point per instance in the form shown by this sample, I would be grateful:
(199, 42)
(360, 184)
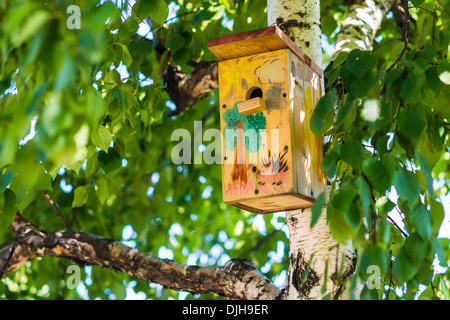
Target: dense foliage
(84, 116)
(389, 153)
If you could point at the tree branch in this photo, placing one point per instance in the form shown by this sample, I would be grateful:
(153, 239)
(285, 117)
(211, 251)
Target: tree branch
(405, 34)
(237, 279)
(187, 89)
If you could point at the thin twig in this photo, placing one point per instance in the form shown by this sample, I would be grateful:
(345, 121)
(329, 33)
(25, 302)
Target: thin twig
(405, 34)
(390, 282)
(8, 260)
(397, 226)
(58, 212)
(387, 42)
(432, 288)
(18, 238)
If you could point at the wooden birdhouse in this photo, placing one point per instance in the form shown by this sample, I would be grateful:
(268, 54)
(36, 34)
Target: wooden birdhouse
(268, 89)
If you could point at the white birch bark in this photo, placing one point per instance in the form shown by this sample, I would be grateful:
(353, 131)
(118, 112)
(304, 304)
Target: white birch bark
(359, 28)
(300, 21)
(326, 261)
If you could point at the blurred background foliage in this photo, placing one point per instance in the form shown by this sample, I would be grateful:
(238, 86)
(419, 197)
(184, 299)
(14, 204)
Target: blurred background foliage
(85, 117)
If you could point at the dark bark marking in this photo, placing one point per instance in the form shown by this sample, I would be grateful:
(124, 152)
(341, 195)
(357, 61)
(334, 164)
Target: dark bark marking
(303, 278)
(341, 281)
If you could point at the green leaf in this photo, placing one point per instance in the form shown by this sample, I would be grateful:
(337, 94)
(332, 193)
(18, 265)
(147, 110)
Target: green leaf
(317, 209)
(339, 228)
(344, 197)
(360, 87)
(407, 185)
(411, 122)
(67, 73)
(182, 57)
(384, 237)
(33, 24)
(353, 217)
(391, 78)
(44, 180)
(159, 12)
(329, 162)
(417, 3)
(102, 189)
(379, 172)
(322, 117)
(394, 75)
(437, 215)
(101, 14)
(175, 42)
(346, 113)
(95, 106)
(419, 219)
(416, 248)
(359, 62)
(101, 138)
(342, 215)
(7, 207)
(352, 153)
(109, 162)
(443, 72)
(437, 132)
(372, 256)
(384, 205)
(372, 168)
(444, 289)
(439, 252)
(5, 180)
(427, 172)
(432, 80)
(342, 56)
(403, 268)
(376, 113)
(365, 194)
(440, 103)
(10, 202)
(81, 194)
(126, 56)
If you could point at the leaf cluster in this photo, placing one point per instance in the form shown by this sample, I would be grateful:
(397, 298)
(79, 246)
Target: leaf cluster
(387, 112)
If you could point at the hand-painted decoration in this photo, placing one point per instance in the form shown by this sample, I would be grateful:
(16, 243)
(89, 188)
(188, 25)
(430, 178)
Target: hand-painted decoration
(268, 89)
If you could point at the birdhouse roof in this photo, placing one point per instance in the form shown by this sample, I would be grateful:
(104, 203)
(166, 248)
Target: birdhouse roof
(257, 41)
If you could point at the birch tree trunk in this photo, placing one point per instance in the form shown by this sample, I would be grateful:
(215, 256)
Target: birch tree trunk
(300, 21)
(359, 28)
(318, 265)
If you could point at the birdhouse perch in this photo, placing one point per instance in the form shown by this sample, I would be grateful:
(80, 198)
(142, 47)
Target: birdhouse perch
(268, 89)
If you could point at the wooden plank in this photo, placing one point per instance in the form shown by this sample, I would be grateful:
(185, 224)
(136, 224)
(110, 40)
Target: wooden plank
(251, 106)
(257, 41)
(288, 201)
(311, 180)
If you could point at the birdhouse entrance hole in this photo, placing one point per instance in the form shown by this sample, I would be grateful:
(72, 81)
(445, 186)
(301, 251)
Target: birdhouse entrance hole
(254, 92)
